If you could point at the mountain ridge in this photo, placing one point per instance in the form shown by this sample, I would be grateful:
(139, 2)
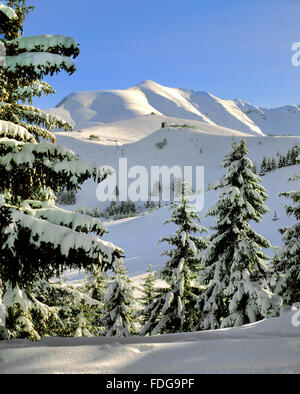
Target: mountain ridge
(86, 109)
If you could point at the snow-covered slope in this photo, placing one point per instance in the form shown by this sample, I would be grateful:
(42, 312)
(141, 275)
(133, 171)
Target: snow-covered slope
(279, 121)
(170, 101)
(94, 109)
(222, 112)
(139, 236)
(88, 109)
(104, 108)
(134, 129)
(269, 346)
(205, 146)
(185, 147)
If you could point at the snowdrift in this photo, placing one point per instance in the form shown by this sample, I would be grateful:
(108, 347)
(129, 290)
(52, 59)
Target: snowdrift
(268, 346)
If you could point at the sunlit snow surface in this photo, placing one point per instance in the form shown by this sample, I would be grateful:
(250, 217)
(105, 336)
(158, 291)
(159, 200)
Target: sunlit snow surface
(269, 346)
(102, 109)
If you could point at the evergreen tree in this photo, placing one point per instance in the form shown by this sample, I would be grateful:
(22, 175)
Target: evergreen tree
(234, 275)
(287, 260)
(255, 168)
(77, 311)
(174, 308)
(51, 309)
(273, 164)
(96, 212)
(83, 323)
(119, 304)
(295, 152)
(281, 162)
(269, 165)
(38, 240)
(288, 158)
(150, 295)
(263, 166)
(96, 283)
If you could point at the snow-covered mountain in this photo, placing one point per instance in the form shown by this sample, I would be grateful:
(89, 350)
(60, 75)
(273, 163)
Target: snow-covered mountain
(279, 121)
(98, 109)
(129, 130)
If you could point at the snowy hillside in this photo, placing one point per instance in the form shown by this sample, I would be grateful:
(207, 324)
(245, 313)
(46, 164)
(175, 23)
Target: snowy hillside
(102, 109)
(193, 147)
(134, 129)
(279, 121)
(138, 236)
(270, 346)
(204, 146)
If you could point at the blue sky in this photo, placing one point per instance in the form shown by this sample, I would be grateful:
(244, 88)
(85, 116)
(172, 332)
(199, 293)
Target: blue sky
(231, 48)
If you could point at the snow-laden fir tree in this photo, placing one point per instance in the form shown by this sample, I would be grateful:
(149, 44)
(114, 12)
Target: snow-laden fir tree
(95, 286)
(96, 283)
(37, 239)
(174, 308)
(281, 161)
(273, 164)
(119, 306)
(287, 259)
(235, 273)
(149, 295)
(75, 312)
(263, 166)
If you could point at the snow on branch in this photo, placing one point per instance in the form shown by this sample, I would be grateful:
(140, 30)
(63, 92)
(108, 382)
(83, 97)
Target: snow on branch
(8, 11)
(35, 89)
(9, 145)
(77, 295)
(61, 165)
(66, 239)
(61, 217)
(56, 44)
(36, 116)
(34, 65)
(32, 151)
(38, 132)
(11, 130)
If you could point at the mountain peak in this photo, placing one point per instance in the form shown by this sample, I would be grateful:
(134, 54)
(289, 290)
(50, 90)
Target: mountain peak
(147, 82)
(88, 109)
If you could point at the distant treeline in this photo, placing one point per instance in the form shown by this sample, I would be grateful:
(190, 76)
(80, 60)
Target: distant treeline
(289, 159)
